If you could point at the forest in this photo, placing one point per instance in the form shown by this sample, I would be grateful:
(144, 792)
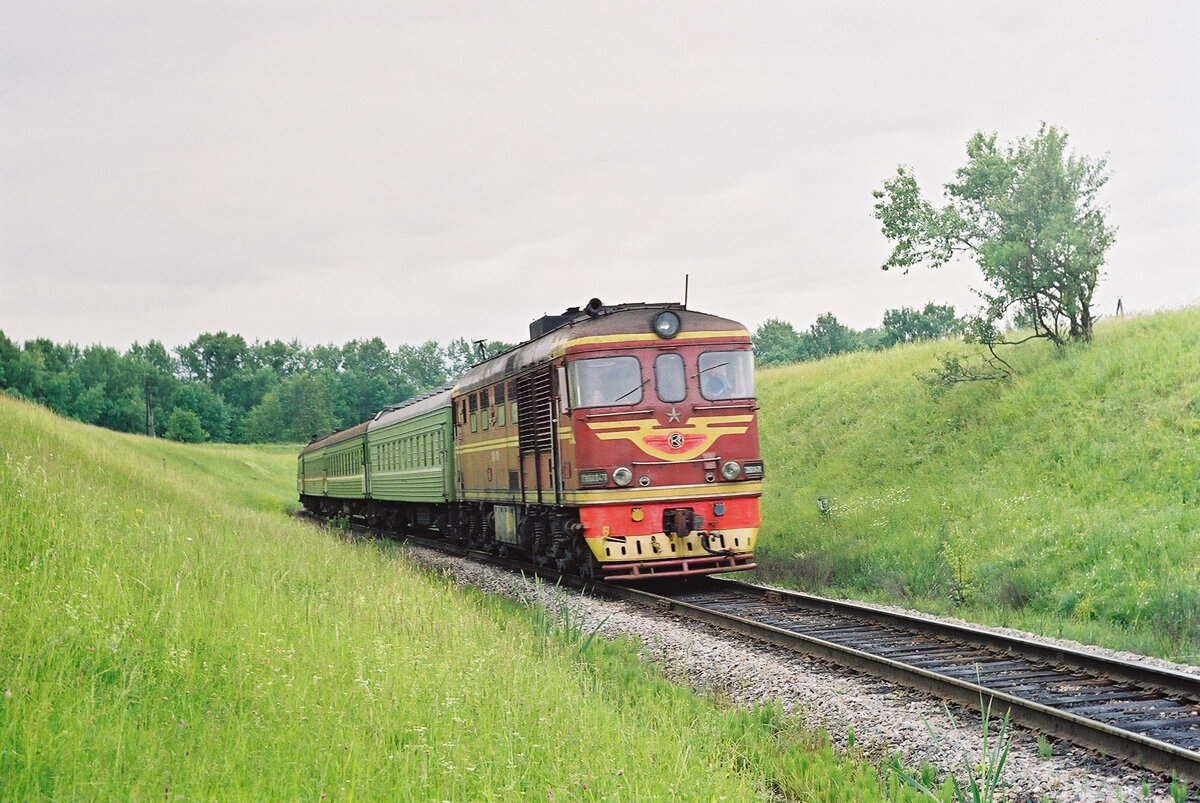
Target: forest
(220, 388)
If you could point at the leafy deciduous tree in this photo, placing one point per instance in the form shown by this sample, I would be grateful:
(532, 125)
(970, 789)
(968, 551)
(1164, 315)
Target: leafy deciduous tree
(827, 336)
(213, 358)
(184, 426)
(212, 411)
(423, 366)
(907, 324)
(1029, 216)
(776, 342)
(307, 406)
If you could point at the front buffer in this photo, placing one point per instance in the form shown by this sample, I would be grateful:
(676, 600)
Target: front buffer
(679, 538)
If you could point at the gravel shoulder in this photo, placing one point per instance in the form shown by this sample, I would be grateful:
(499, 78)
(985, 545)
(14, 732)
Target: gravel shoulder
(883, 718)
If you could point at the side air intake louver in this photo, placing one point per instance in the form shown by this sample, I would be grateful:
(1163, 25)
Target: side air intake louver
(535, 412)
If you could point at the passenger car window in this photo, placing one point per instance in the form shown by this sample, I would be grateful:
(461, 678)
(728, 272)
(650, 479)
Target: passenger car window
(726, 375)
(605, 382)
(670, 382)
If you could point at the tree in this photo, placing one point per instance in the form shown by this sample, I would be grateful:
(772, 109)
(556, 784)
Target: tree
(873, 338)
(185, 427)
(211, 410)
(245, 389)
(1028, 214)
(155, 365)
(828, 337)
(906, 325)
(424, 366)
(317, 358)
(10, 354)
(213, 358)
(264, 423)
(306, 403)
(776, 342)
(282, 358)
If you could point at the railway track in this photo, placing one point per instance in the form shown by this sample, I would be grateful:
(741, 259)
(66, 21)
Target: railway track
(1130, 711)
(1133, 712)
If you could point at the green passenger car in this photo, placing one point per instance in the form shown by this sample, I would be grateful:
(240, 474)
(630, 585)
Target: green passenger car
(397, 469)
(333, 466)
(410, 451)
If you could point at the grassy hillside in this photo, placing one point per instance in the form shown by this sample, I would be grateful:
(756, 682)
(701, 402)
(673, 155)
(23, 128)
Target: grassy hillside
(166, 632)
(1065, 500)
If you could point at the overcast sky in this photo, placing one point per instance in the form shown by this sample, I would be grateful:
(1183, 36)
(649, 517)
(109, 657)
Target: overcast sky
(442, 169)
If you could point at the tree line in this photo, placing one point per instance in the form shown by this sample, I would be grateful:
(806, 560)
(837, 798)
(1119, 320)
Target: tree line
(220, 388)
(777, 342)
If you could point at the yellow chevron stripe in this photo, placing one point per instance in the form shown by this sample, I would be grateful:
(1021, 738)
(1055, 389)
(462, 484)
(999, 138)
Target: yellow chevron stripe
(695, 436)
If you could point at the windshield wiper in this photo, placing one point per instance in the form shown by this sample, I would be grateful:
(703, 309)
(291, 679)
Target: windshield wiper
(631, 392)
(702, 370)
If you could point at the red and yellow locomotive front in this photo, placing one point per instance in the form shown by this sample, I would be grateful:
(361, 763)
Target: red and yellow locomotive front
(661, 453)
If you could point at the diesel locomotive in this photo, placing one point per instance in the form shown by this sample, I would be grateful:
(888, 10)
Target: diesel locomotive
(618, 441)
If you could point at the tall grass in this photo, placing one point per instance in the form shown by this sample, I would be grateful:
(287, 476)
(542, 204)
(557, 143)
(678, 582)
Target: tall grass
(1063, 500)
(167, 633)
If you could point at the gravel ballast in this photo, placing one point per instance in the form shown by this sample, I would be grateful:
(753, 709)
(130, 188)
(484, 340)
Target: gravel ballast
(883, 718)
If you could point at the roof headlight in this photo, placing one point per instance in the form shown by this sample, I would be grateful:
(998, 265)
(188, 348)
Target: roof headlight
(666, 324)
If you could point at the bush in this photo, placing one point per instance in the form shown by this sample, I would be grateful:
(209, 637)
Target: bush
(184, 427)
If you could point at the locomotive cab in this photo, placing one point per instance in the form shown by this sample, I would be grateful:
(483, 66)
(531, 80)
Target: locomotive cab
(662, 459)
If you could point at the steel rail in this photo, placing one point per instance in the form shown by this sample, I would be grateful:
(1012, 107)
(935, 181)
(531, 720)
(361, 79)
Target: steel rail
(1169, 680)
(1148, 752)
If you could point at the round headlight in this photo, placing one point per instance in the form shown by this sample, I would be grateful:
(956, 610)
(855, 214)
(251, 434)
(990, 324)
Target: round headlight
(731, 470)
(666, 324)
(622, 476)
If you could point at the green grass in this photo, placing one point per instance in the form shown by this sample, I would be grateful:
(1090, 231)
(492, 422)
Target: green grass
(1065, 500)
(167, 632)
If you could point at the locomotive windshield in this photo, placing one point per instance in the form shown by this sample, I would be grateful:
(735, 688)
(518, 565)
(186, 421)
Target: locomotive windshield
(726, 375)
(618, 380)
(606, 381)
(670, 381)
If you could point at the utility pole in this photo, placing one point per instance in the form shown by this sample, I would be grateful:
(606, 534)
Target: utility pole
(149, 410)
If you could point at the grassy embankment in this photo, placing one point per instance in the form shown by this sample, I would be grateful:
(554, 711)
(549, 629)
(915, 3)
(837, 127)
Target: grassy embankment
(166, 631)
(1065, 500)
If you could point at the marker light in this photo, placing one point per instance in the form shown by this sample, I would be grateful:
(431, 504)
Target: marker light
(622, 476)
(731, 470)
